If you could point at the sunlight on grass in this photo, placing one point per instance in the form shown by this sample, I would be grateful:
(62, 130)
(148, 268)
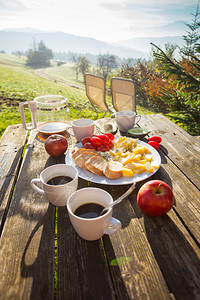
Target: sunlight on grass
(66, 72)
(20, 83)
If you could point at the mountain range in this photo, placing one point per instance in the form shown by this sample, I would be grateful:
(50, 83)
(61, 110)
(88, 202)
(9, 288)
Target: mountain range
(22, 39)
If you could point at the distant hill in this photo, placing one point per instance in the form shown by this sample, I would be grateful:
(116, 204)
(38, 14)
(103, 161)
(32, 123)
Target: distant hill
(143, 44)
(22, 40)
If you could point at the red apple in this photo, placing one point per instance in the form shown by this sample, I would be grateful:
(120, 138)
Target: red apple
(56, 145)
(155, 198)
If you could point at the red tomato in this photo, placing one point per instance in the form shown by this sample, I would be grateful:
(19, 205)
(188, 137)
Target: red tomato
(154, 144)
(110, 136)
(95, 141)
(155, 198)
(103, 148)
(155, 139)
(110, 145)
(85, 140)
(89, 145)
(104, 139)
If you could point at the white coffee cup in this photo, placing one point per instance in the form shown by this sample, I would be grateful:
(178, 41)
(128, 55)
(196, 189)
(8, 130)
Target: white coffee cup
(94, 228)
(56, 194)
(82, 128)
(126, 119)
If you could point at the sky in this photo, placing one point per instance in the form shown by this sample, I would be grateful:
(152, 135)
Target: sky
(105, 20)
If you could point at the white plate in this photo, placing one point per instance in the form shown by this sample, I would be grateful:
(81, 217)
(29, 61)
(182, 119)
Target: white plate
(89, 176)
(52, 127)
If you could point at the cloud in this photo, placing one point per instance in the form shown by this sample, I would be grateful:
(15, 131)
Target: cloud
(12, 6)
(109, 20)
(150, 12)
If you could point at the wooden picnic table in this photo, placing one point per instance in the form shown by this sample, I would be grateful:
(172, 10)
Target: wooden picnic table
(42, 257)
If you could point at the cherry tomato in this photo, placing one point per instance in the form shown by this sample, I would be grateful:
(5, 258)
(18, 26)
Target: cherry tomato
(155, 139)
(110, 145)
(95, 141)
(89, 145)
(104, 139)
(103, 148)
(85, 140)
(110, 136)
(154, 144)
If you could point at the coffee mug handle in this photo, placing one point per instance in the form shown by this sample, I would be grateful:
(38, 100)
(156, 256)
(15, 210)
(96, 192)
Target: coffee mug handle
(115, 223)
(138, 116)
(34, 187)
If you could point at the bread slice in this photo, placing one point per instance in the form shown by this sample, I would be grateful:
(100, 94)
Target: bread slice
(113, 169)
(96, 165)
(77, 151)
(83, 157)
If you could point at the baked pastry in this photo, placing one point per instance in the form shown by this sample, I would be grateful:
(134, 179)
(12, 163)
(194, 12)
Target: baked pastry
(96, 165)
(113, 169)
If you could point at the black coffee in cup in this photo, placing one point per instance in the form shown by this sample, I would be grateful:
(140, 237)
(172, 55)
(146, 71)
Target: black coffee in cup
(89, 210)
(59, 180)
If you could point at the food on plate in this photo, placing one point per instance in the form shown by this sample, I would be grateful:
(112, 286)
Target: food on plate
(89, 145)
(155, 198)
(127, 158)
(102, 142)
(104, 139)
(83, 157)
(95, 140)
(77, 151)
(134, 158)
(113, 169)
(96, 164)
(56, 145)
(103, 148)
(85, 140)
(110, 136)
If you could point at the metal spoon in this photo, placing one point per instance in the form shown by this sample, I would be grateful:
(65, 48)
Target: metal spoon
(119, 199)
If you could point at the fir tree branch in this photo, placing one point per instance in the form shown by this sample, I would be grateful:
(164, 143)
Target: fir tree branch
(170, 66)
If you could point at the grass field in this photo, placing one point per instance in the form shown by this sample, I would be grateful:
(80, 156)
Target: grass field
(65, 72)
(20, 83)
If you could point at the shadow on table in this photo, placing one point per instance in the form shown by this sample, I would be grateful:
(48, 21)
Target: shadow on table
(7, 178)
(175, 256)
(119, 276)
(38, 257)
(82, 269)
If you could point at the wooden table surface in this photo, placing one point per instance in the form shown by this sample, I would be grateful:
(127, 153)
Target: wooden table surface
(42, 257)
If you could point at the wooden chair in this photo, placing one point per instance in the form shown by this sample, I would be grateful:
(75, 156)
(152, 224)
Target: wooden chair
(123, 94)
(96, 92)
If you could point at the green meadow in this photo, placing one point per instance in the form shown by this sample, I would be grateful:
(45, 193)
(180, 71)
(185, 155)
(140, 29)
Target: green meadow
(19, 83)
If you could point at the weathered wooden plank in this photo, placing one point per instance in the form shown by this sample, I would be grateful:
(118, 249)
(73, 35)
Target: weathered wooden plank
(186, 195)
(28, 238)
(155, 247)
(82, 269)
(176, 253)
(177, 144)
(165, 240)
(11, 147)
(134, 269)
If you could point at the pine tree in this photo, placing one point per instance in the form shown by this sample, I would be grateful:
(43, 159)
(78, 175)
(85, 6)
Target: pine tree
(184, 98)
